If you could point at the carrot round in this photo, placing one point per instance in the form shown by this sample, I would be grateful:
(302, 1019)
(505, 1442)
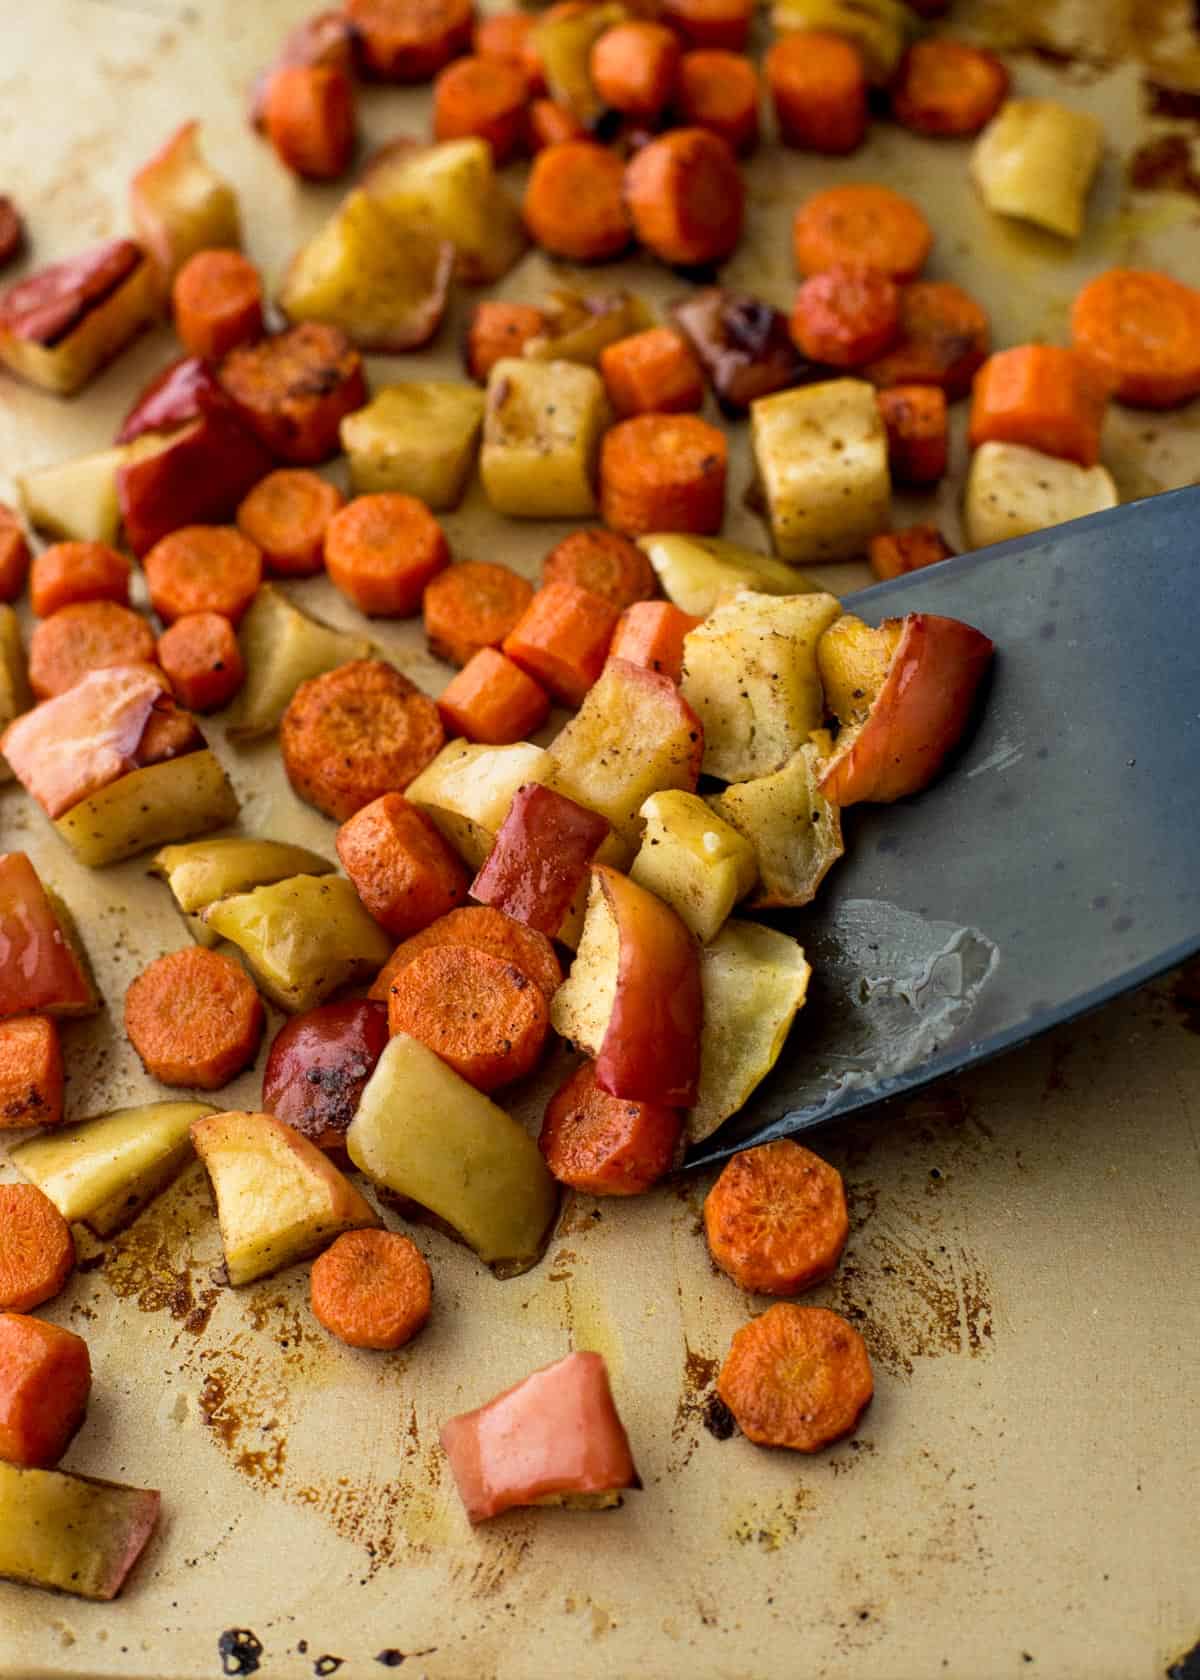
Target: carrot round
(382, 550)
(497, 330)
(309, 118)
(194, 1018)
(604, 1145)
(686, 197)
(481, 98)
(286, 516)
(37, 1253)
(652, 372)
(483, 1016)
(650, 634)
(31, 1073)
(217, 302)
(635, 67)
(482, 929)
(946, 87)
(562, 639)
(893, 553)
(86, 636)
(603, 562)
(493, 701)
(294, 388)
(45, 1381)
(944, 340)
(371, 1289)
(203, 568)
(846, 316)
(818, 86)
(353, 734)
(504, 35)
(14, 554)
(663, 473)
(410, 40)
(203, 662)
(776, 1219)
(710, 23)
(1043, 396)
(575, 202)
(1143, 329)
(550, 124)
(797, 1377)
(471, 606)
(864, 225)
(916, 422)
(403, 871)
(77, 571)
(719, 91)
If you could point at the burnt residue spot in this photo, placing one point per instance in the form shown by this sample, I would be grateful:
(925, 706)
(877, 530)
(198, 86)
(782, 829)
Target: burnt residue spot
(1163, 101)
(698, 1370)
(240, 1651)
(1185, 995)
(390, 1658)
(1165, 163)
(717, 1418)
(1186, 1667)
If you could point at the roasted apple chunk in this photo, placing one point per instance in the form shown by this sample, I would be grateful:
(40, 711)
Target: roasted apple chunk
(75, 1534)
(61, 325)
(698, 573)
(694, 860)
(795, 832)
(452, 188)
(282, 647)
(179, 205)
(466, 791)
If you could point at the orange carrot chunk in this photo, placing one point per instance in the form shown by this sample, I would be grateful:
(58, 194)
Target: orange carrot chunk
(604, 1145)
(286, 516)
(371, 1289)
(718, 90)
(550, 124)
(203, 662)
(310, 121)
(818, 85)
(382, 550)
(916, 422)
(294, 388)
(947, 87)
(504, 35)
(846, 316)
(410, 40)
(203, 568)
(37, 1253)
(481, 98)
(944, 340)
(893, 553)
(14, 554)
(1044, 397)
(776, 1219)
(217, 303)
(45, 1380)
(404, 872)
(77, 571)
(797, 1377)
(861, 224)
(86, 636)
(31, 1074)
(651, 372)
(604, 563)
(483, 929)
(472, 606)
(498, 330)
(635, 67)
(663, 474)
(493, 701)
(562, 640)
(323, 38)
(1143, 330)
(575, 202)
(485, 1018)
(686, 197)
(194, 1018)
(650, 634)
(710, 23)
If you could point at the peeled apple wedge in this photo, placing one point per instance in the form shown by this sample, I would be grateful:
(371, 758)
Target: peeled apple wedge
(76, 500)
(170, 800)
(73, 1533)
(1036, 160)
(281, 648)
(794, 832)
(202, 871)
(466, 791)
(1013, 491)
(694, 860)
(179, 205)
(698, 572)
(452, 188)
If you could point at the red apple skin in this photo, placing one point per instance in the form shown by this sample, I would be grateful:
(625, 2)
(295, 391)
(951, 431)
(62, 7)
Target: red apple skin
(651, 1047)
(181, 392)
(318, 1065)
(38, 968)
(197, 479)
(45, 307)
(918, 716)
(540, 858)
(129, 1538)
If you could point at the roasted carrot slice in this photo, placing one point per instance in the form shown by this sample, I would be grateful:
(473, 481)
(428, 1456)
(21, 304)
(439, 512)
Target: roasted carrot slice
(286, 516)
(562, 640)
(686, 197)
(203, 568)
(575, 202)
(663, 474)
(550, 124)
(818, 85)
(892, 553)
(498, 330)
(382, 550)
(846, 316)
(603, 562)
(45, 1380)
(471, 606)
(410, 40)
(309, 116)
(14, 554)
(948, 87)
(483, 929)
(719, 91)
(1143, 329)
(652, 372)
(294, 389)
(484, 1017)
(203, 662)
(861, 224)
(401, 868)
(217, 302)
(493, 701)
(371, 1289)
(324, 38)
(31, 1075)
(67, 572)
(635, 67)
(504, 35)
(356, 733)
(776, 1218)
(918, 442)
(603, 1145)
(1042, 396)
(710, 23)
(481, 98)
(37, 1252)
(650, 633)
(944, 340)
(194, 1018)
(797, 1377)
(86, 636)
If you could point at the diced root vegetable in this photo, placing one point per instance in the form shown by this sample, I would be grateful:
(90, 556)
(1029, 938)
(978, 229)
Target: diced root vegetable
(72, 1533)
(1013, 491)
(823, 503)
(1036, 160)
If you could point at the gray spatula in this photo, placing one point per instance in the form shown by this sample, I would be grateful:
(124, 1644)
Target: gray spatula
(1054, 864)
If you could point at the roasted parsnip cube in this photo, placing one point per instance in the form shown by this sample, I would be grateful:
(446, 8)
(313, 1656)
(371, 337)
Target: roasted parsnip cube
(72, 1533)
(1012, 491)
(750, 672)
(14, 686)
(1036, 160)
(795, 833)
(452, 188)
(881, 29)
(179, 205)
(693, 860)
(697, 572)
(104, 1171)
(564, 48)
(420, 438)
(541, 437)
(821, 454)
(580, 325)
(380, 278)
(467, 789)
(281, 648)
(422, 1131)
(171, 800)
(61, 325)
(754, 981)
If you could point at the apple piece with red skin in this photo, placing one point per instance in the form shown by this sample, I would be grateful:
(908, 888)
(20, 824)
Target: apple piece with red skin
(61, 324)
(183, 391)
(74, 1534)
(179, 205)
(914, 717)
(39, 966)
(197, 477)
(541, 858)
(318, 1065)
